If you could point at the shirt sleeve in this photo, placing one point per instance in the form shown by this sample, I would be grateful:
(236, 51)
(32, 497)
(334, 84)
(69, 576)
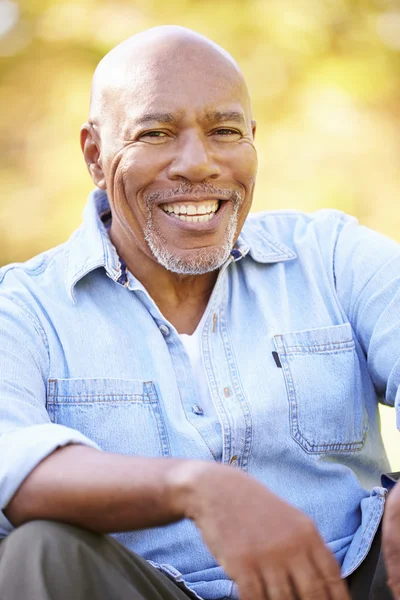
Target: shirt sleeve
(27, 435)
(367, 272)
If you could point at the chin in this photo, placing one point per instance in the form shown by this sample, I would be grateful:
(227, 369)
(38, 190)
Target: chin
(194, 262)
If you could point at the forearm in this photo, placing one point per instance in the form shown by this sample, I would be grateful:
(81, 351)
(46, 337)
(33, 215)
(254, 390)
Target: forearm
(101, 491)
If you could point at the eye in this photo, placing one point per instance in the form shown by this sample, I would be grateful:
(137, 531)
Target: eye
(226, 132)
(155, 136)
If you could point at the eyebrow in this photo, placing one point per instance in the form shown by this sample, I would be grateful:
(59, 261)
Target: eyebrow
(155, 118)
(230, 115)
(210, 116)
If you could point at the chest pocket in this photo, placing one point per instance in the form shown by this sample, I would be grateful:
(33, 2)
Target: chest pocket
(120, 415)
(324, 386)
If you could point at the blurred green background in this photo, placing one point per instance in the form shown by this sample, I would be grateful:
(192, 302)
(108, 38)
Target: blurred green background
(324, 76)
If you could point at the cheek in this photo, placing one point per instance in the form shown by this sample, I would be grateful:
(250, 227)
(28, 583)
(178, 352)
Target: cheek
(128, 176)
(138, 167)
(134, 175)
(245, 166)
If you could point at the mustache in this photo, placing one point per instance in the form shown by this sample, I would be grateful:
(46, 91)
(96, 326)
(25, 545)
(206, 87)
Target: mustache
(188, 189)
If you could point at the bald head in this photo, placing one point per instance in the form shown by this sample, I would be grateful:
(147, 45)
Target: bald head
(140, 62)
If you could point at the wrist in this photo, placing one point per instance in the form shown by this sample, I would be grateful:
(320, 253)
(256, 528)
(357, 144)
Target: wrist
(186, 479)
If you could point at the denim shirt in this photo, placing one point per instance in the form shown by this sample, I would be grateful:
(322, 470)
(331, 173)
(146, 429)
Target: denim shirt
(300, 340)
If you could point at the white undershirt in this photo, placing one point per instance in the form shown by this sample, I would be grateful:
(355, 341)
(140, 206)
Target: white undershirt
(192, 345)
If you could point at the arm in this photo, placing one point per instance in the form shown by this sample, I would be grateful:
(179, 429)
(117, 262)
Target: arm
(53, 472)
(367, 269)
(367, 274)
(262, 542)
(27, 435)
(100, 491)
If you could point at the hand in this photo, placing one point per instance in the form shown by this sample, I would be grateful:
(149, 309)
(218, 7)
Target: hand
(272, 550)
(391, 539)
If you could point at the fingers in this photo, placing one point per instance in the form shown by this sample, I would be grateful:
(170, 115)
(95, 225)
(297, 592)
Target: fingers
(308, 583)
(251, 588)
(314, 577)
(391, 549)
(329, 571)
(277, 586)
(392, 561)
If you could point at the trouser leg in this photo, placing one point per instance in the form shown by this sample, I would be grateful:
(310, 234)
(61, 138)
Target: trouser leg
(44, 560)
(379, 587)
(369, 581)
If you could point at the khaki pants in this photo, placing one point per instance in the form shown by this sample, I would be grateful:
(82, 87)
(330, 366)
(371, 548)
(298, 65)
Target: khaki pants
(44, 560)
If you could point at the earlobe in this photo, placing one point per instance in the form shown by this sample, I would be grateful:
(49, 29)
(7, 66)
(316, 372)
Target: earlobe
(91, 153)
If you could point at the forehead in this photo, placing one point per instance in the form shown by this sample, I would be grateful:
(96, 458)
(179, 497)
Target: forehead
(181, 87)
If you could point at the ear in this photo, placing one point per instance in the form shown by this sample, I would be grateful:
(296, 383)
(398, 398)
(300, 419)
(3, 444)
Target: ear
(90, 145)
(253, 128)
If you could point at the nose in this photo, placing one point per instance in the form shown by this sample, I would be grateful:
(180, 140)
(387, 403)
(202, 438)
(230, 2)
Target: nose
(193, 161)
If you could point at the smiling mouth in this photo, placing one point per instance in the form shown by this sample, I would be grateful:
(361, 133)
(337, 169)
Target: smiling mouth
(201, 212)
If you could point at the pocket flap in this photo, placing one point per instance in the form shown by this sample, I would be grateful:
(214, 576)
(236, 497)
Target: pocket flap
(324, 339)
(100, 389)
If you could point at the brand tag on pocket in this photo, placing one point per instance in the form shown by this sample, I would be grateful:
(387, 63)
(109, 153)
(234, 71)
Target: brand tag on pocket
(277, 360)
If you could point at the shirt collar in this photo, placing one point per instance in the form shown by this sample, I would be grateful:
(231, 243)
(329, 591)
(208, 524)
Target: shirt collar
(255, 240)
(90, 247)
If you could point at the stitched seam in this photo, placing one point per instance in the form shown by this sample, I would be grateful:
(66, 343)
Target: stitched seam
(105, 396)
(298, 436)
(38, 270)
(314, 350)
(376, 273)
(75, 403)
(237, 386)
(34, 322)
(342, 224)
(328, 345)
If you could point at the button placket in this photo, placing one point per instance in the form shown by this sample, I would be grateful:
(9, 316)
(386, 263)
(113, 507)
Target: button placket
(234, 462)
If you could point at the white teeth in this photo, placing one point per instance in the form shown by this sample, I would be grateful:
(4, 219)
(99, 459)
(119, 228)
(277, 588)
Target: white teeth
(194, 219)
(193, 214)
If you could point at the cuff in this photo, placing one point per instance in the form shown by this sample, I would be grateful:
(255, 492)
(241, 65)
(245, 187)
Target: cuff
(22, 450)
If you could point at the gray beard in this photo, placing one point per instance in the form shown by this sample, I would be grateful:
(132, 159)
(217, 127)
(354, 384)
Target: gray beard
(196, 261)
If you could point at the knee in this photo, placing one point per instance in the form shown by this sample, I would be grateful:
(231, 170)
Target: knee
(43, 537)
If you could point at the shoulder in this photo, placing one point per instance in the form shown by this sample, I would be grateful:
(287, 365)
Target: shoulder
(28, 283)
(34, 267)
(290, 223)
(295, 231)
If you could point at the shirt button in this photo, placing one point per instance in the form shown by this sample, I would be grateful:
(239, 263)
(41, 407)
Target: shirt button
(196, 408)
(164, 330)
(234, 461)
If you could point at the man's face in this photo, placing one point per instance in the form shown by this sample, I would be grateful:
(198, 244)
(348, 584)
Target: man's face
(180, 163)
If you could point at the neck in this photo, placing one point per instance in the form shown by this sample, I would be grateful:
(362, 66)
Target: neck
(182, 299)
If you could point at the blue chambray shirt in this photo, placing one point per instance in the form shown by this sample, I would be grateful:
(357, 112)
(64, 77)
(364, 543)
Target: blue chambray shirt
(300, 341)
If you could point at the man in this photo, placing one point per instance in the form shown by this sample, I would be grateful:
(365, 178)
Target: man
(203, 387)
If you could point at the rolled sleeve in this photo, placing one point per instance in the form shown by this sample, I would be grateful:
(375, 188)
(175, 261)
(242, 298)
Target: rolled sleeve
(27, 435)
(23, 450)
